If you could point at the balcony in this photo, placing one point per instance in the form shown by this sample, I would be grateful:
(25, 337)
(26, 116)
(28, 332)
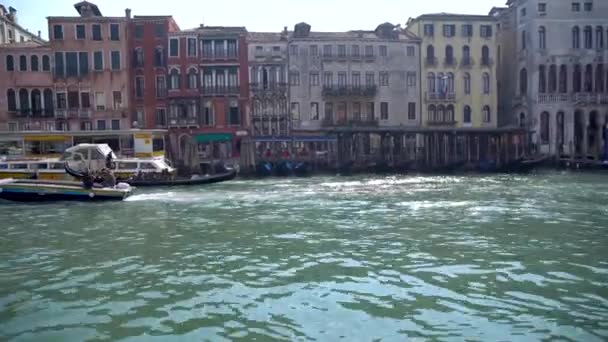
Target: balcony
(84, 113)
(351, 122)
(450, 62)
(269, 88)
(350, 91)
(440, 97)
(466, 62)
(266, 55)
(430, 61)
(60, 113)
(186, 122)
(582, 99)
(220, 90)
(348, 57)
(73, 112)
(220, 55)
(487, 62)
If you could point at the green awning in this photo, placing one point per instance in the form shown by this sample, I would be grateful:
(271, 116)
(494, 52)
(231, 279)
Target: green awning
(213, 137)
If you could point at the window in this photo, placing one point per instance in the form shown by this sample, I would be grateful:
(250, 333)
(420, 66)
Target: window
(61, 101)
(411, 51)
(466, 117)
(563, 79)
(328, 79)
(449, 30)
(101, 125)
(293, 50)
(429, 30)
(449, 55)
(115, 124)
(342, 51)
(599, 78)
(576, 79)
(342, 79)
(10, 63)
(354, 51)
(467, 30)
(139, 86)
(327, 51)
(98, 60)
(235, 117)
(542, 7)
(356, 111)
(46, 63)
(314, 78)
(369, 51)
(599, 38)
(553, 79)
(192, 79)
(96, 31)
(450, 84)
(138, 57)
(467, 83)
(57, 32)
(86, 126)
(576, 7)
(486, 83)
(485, 56)
(356, 79)
(329, 111)
(22, 63)
(100, 100)
(370, 111)
(73, 101)
(411, 79)
(314, 111)
(161, 86)
(173, 47)
(159, 57)
(430, 77)
(588, 6)
(191, 47)
(486, 114)
(11, 100)
(430, 54)
(80, 32)
(48, 101)
(466, 55)
(294, 78)
(85, 100)
(486, 31)
(576, 38)
(411, 111)
(544, 128)
(34, 63)
(117, 99)
(522, 12)
(115, 57)
(370, 79)
(588, 34)
(432, 113)
(314, 50)
(295, 111)
(114, 32)
(523, 81)
(384, 79)
(174, 79)
(83, 63)
(160, 117)
(383, 110)
(383, 51)
(159, 30)
(542, 41)
(71, 64)
(588, 78)
(523, 39)
(139, 31)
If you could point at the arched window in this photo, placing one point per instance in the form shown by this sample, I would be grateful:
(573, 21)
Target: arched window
(487, 115)
(553, 78)
(450, 82)
(599, 38)
(441, 84)
(24, 101)
(588, 78)
(466, 55)
(559, 127)
(138, 57)
(523, 40)
(576, 38)
(544, 128)
(159, 56)
(486, 83)
(34, 63)
(588, 37)
(48, 101)
(174, 79)
(431, 82)
(522, 120)
(467, 83)
(430, 54)
(542, 79)
(523, 81)
(36, 102)
(431, 113)
(449, 114)
(599, 78)
(449, 55)
(12, 100)
(563, 79)
(192, 78)
(440, 113)
(10, 63)
(22, 63)
(466, 117)
(485, 55)
(577, 79)
(46, 63)
(542, 37)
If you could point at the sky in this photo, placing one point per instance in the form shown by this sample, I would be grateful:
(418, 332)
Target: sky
(257, 15)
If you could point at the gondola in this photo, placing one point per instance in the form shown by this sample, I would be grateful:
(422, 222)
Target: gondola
(302, 169)
(209, 179)
(285, 168)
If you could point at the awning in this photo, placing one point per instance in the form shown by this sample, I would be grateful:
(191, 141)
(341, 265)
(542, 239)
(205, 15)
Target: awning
(213, 137)
(55, 138)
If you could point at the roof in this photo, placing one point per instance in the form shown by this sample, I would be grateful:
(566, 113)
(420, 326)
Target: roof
(30, 44)
(264, 36)
(413, 129)
(453, 16)
(85, 4)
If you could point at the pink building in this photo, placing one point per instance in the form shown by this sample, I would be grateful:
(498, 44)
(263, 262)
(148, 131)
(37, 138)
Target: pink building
(90, 70)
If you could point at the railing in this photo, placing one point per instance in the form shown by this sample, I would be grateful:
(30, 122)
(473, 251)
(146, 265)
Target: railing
(348, 57)
(220, 90)
(450, 62)
(430, 61)
(280, 87)
(339, 91)
(269, 55)
(60, 113)
(578, 98)
(467, 62)
(351, 122)
(73, 112)
(84, 113)
(487, 61)
(183, 122)
(220, 55)
(441, 97)
(434, 122)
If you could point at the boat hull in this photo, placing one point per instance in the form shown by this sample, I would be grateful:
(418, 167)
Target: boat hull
(47, 191)
(226, 176)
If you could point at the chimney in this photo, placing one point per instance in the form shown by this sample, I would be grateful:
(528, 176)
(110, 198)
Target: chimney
(39, 34)
(12, 12)
(128, 13)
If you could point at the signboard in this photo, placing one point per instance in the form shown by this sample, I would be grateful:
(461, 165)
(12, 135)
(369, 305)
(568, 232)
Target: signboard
(142, 144)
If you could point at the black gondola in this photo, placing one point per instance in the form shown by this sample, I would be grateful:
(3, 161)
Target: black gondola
(302, 169)
(209, 179)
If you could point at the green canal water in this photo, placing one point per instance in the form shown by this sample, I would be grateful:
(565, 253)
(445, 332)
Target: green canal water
(510, 258)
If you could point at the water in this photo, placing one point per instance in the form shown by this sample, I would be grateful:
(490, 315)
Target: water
(389, 258)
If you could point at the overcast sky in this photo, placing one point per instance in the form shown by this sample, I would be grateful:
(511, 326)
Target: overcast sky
(258, 15)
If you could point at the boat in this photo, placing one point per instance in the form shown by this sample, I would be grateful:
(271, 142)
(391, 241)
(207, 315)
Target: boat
(264, 169)
(194, 180)
(302, 169)
(29, 190)
(285, 168)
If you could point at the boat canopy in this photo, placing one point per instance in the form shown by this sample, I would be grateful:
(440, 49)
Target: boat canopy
(88, 152)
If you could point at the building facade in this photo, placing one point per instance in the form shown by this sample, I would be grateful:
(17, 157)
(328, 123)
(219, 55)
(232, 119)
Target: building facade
(90, 70)
(10, 30)
(459, 79)
(270, 114)
(362, 78)
(558, 86)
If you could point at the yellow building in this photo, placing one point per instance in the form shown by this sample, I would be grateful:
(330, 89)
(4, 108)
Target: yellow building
(459, 86)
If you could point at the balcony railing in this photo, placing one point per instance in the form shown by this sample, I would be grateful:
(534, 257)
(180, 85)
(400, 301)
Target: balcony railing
(220, 90)
(348, 57)
(450, 62)
(73, 112)
(487, 61)
(183, 122)
(350, 122)
(466, 62)
(60, 113)
(32, 113)
(84, 113)
(220, 55)
(342, 91)
(430, 61)
(273, 88)
(440, 97)
(577, 98)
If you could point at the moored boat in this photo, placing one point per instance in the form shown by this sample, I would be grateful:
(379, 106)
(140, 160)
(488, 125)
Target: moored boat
(194, 180)
(26, 190)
